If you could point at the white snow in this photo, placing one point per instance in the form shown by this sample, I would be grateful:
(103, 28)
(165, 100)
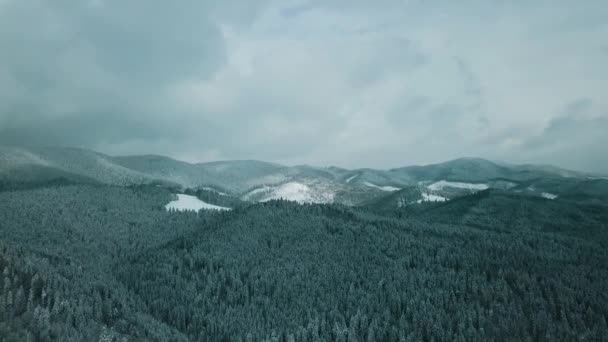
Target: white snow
(548, 195)
(401, 202)
(383, 188)
(351, 178)
(431, 198)
(251, 194)
(187, 202)
(301, 193)
(292, 191)
(470, 186)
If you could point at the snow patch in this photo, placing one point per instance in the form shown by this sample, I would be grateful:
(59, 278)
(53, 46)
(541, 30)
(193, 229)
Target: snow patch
(292, 191)
(300, 193)
(548, 195)
(469, 186)
(253, 193)
(351, 178)
(187, 202)
(431, 198)
(383, 188)
(596, 177)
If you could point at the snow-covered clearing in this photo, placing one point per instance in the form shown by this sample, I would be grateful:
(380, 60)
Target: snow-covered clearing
(431, 198)
(301, 193)
(548, 195)
(187, 202)
(292, 191)
(383, 188)
(470, 186)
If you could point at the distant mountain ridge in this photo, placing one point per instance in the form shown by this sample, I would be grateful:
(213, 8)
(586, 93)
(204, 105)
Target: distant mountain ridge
(260, 181)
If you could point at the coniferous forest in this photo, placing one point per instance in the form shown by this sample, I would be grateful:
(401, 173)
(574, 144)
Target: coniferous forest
(102, 263)
(303, 171)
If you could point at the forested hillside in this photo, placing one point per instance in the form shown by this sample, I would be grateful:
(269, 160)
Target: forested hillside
(59, 245)
(258, 181)
(100, 263)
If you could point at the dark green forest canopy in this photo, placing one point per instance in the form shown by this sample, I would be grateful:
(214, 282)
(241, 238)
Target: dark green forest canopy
(91, 262)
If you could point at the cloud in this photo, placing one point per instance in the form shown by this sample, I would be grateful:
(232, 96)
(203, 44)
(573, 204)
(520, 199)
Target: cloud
(350, 83)
(570, 140)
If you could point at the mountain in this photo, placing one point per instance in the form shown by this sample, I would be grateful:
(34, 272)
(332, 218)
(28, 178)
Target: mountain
(464, 169)
(258, 181)
(102, 248)
(37, 163)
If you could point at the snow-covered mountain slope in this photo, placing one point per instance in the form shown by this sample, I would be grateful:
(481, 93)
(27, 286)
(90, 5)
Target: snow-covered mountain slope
(15, 157)
(162, 168)
(187, 202)
(292, 191)
(438, 186)
(261, 181)
(431, 198)
(70, 161)
(407, 196)
(383, 188)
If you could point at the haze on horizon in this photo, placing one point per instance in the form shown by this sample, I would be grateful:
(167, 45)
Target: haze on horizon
(345, 83)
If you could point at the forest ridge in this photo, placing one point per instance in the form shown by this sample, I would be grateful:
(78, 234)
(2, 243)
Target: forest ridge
(88, 260)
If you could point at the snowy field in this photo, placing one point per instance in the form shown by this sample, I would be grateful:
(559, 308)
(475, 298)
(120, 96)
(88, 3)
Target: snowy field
(383, 188)
(445, 184)
(187, 202)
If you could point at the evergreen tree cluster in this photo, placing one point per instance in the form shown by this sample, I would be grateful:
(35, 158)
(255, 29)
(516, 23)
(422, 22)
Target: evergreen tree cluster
(99, 263)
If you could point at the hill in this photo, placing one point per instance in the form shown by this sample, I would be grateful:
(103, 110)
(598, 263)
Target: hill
(257, 181)
(94, 262)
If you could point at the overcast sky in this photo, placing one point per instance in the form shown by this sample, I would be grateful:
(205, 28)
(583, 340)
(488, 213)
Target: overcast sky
(349, 83)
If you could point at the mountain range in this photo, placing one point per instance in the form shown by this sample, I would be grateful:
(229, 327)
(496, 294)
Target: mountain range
(258, 181)
(148, 248)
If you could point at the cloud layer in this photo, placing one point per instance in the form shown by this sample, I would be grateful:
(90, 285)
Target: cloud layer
(346, 83)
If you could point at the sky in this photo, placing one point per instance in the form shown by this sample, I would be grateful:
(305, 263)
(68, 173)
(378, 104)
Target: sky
(353, 83)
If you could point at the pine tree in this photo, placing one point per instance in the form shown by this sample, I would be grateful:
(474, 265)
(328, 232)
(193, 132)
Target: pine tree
(20, 302)
(3, 308)
(39, 321)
